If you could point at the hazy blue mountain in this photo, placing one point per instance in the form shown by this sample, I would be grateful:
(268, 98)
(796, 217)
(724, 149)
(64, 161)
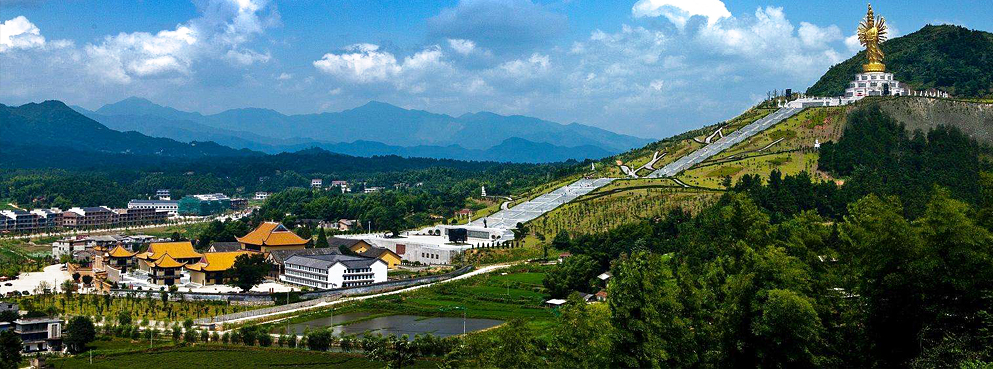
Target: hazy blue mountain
(52, 124)
(375, 122)
(516, 150)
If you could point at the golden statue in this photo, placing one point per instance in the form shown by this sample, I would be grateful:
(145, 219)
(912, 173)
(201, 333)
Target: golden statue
(872, 32)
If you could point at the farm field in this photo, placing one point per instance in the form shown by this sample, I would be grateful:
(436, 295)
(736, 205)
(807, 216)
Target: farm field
(217, 356)
(140, 308)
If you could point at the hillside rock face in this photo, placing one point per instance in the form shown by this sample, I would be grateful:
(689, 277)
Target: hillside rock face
(973, 119)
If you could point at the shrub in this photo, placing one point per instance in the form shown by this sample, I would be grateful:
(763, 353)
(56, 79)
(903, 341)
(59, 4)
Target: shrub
(265, 340)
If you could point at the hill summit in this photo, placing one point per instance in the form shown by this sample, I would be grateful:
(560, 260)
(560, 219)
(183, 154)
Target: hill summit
(949, 58)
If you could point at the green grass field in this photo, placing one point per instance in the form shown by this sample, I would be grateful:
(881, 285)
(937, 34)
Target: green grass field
(518, 294)
(218, 356)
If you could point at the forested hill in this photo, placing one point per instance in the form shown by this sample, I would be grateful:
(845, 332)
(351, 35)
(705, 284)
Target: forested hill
(950, 58)
(52, 126)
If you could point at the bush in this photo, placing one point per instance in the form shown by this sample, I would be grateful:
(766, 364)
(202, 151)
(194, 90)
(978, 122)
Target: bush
(224, 337)
(265, 340)
(320, 340)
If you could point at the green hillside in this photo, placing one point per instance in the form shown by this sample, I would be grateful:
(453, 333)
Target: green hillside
(950, 58)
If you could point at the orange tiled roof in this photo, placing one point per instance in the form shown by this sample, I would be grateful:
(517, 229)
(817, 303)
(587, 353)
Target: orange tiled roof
(178, 250)
(167, 262)
(217, 261)
(120, 252)
(272, 234)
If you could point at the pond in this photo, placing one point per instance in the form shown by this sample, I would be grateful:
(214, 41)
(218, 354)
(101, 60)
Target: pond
(395, 325)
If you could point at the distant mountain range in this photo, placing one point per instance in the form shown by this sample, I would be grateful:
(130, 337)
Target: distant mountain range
(954, 59)
(373, 129)
(51, 125)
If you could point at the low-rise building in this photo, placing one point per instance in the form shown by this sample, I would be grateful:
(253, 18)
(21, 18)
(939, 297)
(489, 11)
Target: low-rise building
(136, 217)
(207, 204)
(391, 259)
(39, 334)
(261, 195)
(8, 306)
(88, 217)
(68, 245)
(170, 207)
(278, 258)
(316, 183)
(163, 194)
(333, 271)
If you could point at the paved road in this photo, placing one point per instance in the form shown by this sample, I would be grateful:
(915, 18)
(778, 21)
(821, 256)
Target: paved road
(508, 219)
(724, 143)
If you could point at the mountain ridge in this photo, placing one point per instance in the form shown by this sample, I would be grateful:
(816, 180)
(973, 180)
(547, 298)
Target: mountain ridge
(374, 121)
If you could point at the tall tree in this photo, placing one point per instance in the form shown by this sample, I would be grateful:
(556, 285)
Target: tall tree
(248, 271)
(649, 328)
(10, 350)
(322, 239)
(78, 332)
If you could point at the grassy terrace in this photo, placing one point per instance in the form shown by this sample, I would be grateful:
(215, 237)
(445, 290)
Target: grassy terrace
(787, 146)
(621, 202)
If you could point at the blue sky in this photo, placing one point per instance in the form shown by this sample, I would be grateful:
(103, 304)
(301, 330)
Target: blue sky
(650, 68)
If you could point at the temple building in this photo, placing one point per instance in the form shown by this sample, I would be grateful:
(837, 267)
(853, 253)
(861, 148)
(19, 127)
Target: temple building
(181, 252)
(213, 267)
(165, 271)
(271, 236)
(119, 258)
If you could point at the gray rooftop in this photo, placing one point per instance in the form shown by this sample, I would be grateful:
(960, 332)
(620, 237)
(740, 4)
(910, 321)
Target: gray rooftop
(327, 260)
(280, 256)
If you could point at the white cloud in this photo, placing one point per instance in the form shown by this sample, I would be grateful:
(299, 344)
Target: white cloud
(20, 33)
(464, 47)
(680, 11)
(363, 64)
(219, 32)
(284, 76)
(533, 66)
(813, 36)
(366, 63)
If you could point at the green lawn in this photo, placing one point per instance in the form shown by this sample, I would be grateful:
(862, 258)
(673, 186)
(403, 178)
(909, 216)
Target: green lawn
(519, 294)
(217, 356)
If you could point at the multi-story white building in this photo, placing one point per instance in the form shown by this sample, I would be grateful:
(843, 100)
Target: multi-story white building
(332, 271)
(168, 206)
(316, 183)
(39, 334)
(261, 195)
(163, 195)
